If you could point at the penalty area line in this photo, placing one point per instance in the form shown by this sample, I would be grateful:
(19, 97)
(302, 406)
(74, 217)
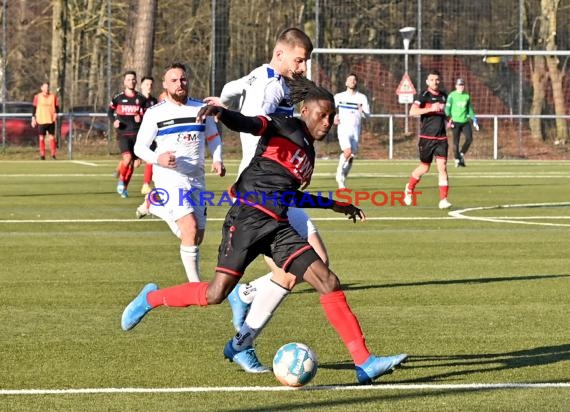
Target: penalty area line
(394, 387)
(460, 214)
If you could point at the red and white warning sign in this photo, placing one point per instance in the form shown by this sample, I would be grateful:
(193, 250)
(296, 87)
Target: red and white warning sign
(406, 90)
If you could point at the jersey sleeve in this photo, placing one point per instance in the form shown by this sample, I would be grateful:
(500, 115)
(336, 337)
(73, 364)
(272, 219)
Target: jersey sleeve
(232, 91)
(272, 96)
(470, 111)
(213, 139)
(448, 104)
(365, 106)
(145, 136)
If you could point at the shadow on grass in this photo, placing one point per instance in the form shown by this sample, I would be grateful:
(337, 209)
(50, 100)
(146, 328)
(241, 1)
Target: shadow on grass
(478, 363)
(489, 362)
(355, 286)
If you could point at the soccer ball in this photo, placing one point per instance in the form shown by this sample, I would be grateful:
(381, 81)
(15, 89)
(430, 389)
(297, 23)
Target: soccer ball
(295, 364)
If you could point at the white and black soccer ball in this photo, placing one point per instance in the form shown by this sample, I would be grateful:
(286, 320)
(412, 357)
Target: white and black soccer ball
(295, 364)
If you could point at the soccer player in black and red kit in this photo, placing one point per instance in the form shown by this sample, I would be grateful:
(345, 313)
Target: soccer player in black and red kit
(125, 112)
(432, 142)
(257, 224)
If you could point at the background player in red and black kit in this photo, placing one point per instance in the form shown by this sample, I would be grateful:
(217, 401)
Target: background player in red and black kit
(432, 142)
(146, 89)
(125, 111)
(283, 163)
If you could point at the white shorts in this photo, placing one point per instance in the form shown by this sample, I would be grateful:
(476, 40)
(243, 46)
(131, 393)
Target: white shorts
(301, 222)
(348, 138)
(180, 197)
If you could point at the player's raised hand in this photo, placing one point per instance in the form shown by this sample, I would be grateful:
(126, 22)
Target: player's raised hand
(214, 101)
(206, 111)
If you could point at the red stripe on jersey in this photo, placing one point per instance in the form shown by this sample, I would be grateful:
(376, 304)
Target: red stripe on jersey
(208, 138)
(267, 212)
(228, 271)
(263, 126)
(433, 137)
(246, 202)
(292, 157)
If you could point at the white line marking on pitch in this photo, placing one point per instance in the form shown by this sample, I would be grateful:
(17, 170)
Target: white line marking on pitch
(79, 162)
(467, 386)
(459, 214)
(210, 219)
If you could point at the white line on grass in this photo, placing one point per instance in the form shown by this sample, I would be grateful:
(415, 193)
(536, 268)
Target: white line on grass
(459, 214)
(210, 219)
(467, 386)
(84, 163)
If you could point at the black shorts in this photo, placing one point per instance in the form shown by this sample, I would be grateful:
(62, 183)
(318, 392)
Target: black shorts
(48, 128)
(248, 232)
(127, 144)
(430, 148)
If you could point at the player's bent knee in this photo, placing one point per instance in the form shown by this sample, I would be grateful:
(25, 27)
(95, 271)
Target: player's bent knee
(220, 287)
(321, 278)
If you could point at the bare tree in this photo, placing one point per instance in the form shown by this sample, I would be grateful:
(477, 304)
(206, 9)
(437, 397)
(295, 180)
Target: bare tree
(58, 46)
(139, 48)
(545, 70)
(556, 75)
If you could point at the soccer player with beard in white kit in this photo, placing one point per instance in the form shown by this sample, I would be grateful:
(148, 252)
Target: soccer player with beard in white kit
(261, 92)
(178, 161)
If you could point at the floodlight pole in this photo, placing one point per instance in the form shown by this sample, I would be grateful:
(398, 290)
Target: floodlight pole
(407, 35)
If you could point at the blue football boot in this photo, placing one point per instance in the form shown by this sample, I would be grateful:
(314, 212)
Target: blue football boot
(374, 367)
(245, 359)
(137, 309)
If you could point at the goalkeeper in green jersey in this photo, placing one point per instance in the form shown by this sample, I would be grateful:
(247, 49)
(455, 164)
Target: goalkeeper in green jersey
(458, 109)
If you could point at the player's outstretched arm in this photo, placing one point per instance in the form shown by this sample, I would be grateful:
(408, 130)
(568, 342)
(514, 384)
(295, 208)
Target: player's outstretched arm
(232, 119)
(351, 211)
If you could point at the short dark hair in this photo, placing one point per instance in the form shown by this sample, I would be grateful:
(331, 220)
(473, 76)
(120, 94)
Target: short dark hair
(175, 65)
(435, 72)
(353, 75)
(130, 72)
(303, 89)
(147, 78)
(293, 36)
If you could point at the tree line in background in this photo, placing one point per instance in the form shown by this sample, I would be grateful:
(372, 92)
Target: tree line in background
(83, 46)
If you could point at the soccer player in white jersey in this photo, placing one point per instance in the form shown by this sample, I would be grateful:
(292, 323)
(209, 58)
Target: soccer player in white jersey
(265, 91)
(179, 157)
(351, 106)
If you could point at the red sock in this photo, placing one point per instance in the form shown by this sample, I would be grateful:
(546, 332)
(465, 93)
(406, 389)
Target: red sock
(147, 173)
(181, 296)
(412, 183)
(52, 147)
(122, 171)
(128, 174)
(443, 190)
(341, 318)
(42, 147)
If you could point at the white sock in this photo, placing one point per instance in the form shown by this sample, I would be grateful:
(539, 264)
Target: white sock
(344, 166)
(247, 292)
(262, 308)
(190, 256)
